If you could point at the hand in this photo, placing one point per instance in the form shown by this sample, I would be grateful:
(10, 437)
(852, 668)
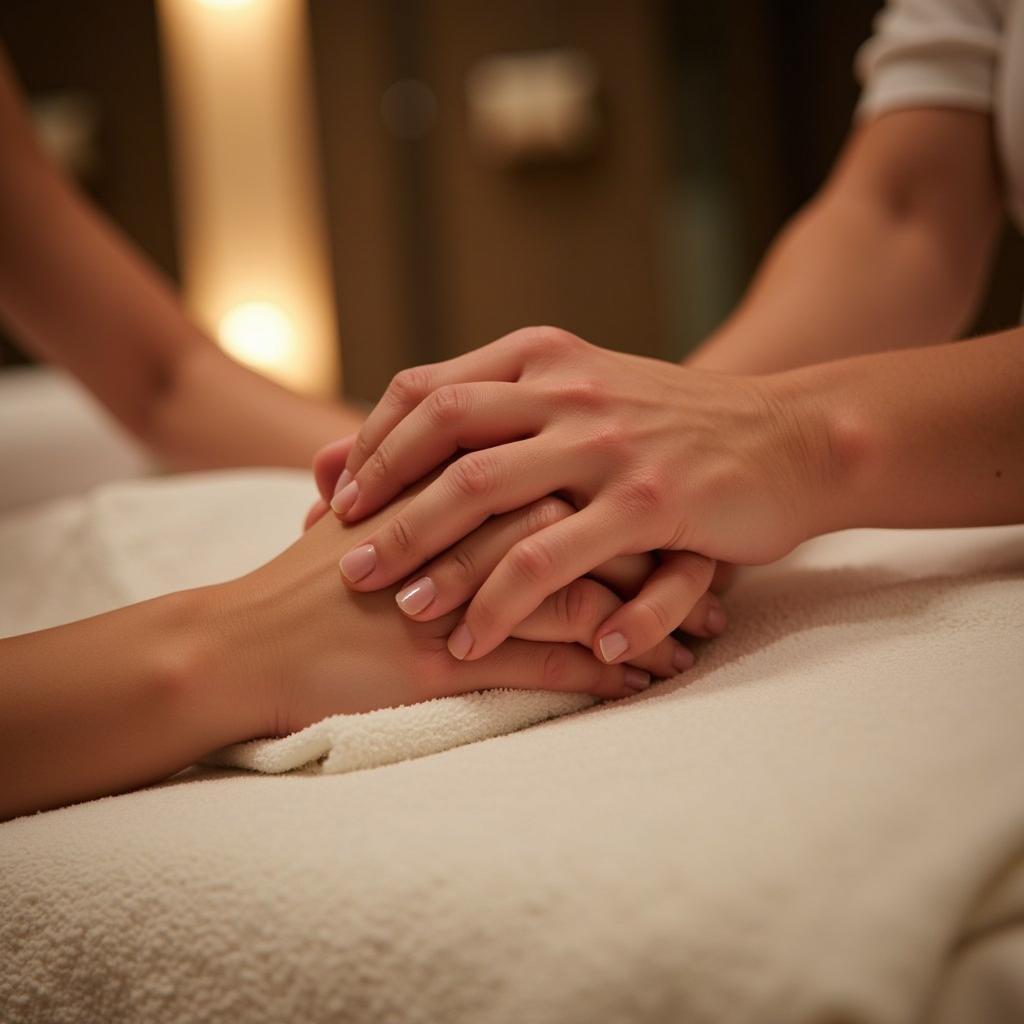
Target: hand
(654, 456)
(306, 648)
(455, 576)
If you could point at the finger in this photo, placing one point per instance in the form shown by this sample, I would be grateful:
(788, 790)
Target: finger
(452, 578)
(471, 489)
(453, 417)
(626, 574)
(329, 464)
(574, 613)
(725, 576)
(316, 512)
(502, 360)
(663, 602)
(707, 618)
(533, 570)
(566, 668)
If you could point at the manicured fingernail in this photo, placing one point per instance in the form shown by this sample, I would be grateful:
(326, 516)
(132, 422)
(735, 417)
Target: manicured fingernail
(716, 621)
(637, 680)
(359, 562)
(460, 642)
(416, 596)
(682, 659)
(344, 499)
(345, 477)
(613, 645)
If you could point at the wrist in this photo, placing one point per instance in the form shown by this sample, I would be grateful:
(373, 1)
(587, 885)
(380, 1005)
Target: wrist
(831, 438)
(217, 664)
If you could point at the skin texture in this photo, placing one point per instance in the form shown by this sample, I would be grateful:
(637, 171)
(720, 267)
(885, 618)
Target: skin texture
(735, 468)
(85, 714)
(76, 293)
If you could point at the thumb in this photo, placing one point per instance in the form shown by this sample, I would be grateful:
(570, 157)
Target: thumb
(328, 464)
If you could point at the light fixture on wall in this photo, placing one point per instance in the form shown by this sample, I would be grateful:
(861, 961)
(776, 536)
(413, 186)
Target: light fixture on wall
(255, 261)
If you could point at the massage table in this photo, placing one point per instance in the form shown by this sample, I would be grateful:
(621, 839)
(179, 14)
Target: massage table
(822, 821)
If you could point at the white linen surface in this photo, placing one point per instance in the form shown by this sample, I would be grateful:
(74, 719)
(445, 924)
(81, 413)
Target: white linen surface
(827, 823)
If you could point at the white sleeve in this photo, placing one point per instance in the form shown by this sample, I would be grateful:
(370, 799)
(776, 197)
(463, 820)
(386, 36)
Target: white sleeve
(931, 53)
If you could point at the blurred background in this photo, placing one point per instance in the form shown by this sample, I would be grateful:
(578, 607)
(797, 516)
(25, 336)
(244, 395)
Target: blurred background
(345, 187)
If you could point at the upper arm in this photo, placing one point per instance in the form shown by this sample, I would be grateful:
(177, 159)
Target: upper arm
(923, 151)
(931, 168)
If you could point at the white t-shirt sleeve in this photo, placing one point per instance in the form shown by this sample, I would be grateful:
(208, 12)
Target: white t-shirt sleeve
(931, 53)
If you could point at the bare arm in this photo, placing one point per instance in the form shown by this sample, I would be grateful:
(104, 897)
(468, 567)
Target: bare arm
(77, 293)
(892, 253)
(932, 437)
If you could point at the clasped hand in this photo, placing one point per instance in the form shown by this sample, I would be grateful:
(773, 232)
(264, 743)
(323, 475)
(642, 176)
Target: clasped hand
(644, 456)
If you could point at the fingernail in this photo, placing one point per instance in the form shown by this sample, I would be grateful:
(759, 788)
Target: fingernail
(416, 596)
(716, 621)
(612, 645)
(359, 562)
(345, 477)
(344, 499)
(637, 680)
(682, 659)
(460, 642)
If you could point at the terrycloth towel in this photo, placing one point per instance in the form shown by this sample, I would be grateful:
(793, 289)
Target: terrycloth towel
(826, 823)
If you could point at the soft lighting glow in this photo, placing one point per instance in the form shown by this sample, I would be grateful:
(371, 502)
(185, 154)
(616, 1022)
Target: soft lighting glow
(260, 335)
(254, 254)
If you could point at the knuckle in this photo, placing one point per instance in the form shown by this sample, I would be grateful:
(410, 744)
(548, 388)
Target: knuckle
(378, 467)
(546, 512)
(474, 475)
(578, 601)
(410, 385)
(655, 617)
(544, 339)
(400, 536)
(447, 405)
(648, 493)
(531, 561)
(462, 562)
(554, 666)
(362, 448)
(608, 441)
(583, 393)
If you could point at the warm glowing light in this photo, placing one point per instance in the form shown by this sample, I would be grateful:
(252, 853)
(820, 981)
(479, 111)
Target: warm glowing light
(260, 335)
(254, 253)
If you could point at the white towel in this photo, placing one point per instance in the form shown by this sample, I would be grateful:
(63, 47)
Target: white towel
(827, 823)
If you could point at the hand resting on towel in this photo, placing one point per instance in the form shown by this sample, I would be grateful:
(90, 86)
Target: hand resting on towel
(123, 699)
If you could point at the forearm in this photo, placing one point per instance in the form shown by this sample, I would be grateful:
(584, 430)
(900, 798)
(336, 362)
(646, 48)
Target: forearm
(117, 701)
(841, 280)
(932, 437)
(215, 413)
(892, 254)
(75, 291)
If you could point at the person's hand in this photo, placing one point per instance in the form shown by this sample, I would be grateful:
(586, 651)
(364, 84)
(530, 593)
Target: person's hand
(310, 648)
(453, 578)
(655, 457)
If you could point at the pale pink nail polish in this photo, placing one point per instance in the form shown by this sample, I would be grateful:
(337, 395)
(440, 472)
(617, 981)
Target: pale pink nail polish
(345, 478)
(613, 645)
(460, 642)
(682, 659)
(359, 562)
(715, 623)
(635, 679)
(417, 596)
(345, 498)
